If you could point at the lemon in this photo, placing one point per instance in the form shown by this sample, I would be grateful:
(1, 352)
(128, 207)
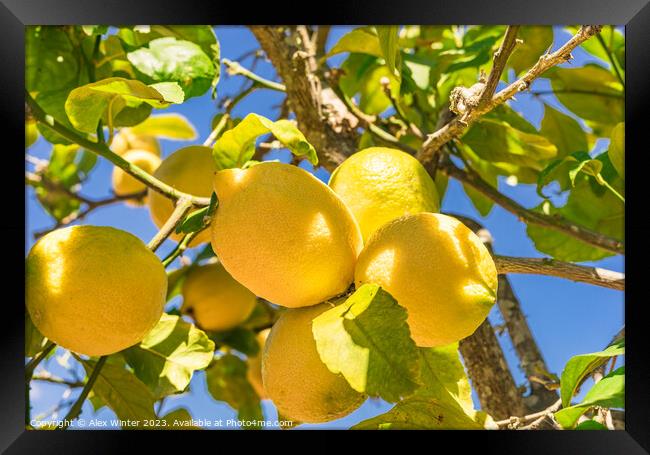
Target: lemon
(436, 268)
(189, 169)
(123, 183)
(283, 234)
(254, 371)
(126, 140)
(214, 299)
(294, 376)
(94, 290)
(380, 184)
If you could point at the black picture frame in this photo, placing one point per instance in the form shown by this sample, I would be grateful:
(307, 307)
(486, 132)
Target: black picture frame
(15, 14)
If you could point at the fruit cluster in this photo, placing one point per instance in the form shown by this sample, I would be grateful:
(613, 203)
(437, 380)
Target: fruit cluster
(282, 235)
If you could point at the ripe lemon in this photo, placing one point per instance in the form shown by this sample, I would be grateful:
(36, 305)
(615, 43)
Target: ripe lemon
(189, 169)
(284, 234)
(123, 183)
(126, 140)
(94, 290)
(436, 268)
(214, 299)
(294, 376)
(380, 184)
(254, 371)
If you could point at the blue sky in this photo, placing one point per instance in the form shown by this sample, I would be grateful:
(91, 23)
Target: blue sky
(566, 318)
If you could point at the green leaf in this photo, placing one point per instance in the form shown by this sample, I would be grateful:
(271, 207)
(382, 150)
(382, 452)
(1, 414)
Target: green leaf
(488, 173)
(617, 148)
(421, 414)
(178, 419)
(196, 220)
(226, 379)
(536, 40)
(91, 30)
(589, 205)
(591, 92)
(236, 146)
(609, 392)
(367, 340)
(564, 131)
(361, 40)
(590, 425)
(50, 59)
(567, 170)
(442, 373)
(34, 340)
(122, 391)
(167, 357)
(504, 113)
(170, 60)
(116, 101)
(240, 339)
(499, 142)
(167, 126)
(580, 366)
(53, 103)
(388, 36)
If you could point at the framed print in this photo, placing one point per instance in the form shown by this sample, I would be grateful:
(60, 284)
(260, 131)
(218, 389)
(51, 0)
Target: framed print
(404, 217)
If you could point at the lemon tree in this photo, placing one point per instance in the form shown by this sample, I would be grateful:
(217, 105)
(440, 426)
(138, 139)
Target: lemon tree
(311, 267)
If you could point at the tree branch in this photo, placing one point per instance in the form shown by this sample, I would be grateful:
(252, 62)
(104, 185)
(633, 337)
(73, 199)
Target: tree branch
(103, 151)
(500, 59)
(552, 222)
(182, 207)
(236, 68)
(75, 410)
(537, 418)
(552, 267)
(487, 368)
(458, 124)
(293, 56)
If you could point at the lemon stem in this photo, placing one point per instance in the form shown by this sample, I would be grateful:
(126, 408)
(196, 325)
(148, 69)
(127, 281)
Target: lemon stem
(182, 207)
(75, 410)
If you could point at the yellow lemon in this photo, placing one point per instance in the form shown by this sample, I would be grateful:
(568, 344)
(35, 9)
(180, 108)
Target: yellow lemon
(189, 169)
(295, 378)
(284, 234)
(126, 140)
(436, 268)
(254, 371)
(94, 290)
(214, 299)
(123, 183)
(380, 184)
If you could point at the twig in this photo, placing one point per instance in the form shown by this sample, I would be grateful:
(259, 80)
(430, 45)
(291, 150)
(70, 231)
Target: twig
(180, 248)
(552, 222)
(536, 418)
(219, 127)
(29, 372)
(551, 267)
(458, 125)
(500, 59)
(103, 151)
(611, 60)
(236, 68)
(75, 410)
(182, 207)
(57, 380)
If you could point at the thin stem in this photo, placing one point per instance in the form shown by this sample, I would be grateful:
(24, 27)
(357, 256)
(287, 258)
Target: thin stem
(611, 188)
(75, 410)
(236, 68)
(103, 151)
(221, 124)
(180, 248)
(578, 92)
(182, 207)
(56, 380)
(29, 372)
(611, 60)
(38, 358)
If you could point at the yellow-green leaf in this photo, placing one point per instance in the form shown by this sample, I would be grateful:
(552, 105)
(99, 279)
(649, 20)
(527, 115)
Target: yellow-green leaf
(167, 126)
(617, 148)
